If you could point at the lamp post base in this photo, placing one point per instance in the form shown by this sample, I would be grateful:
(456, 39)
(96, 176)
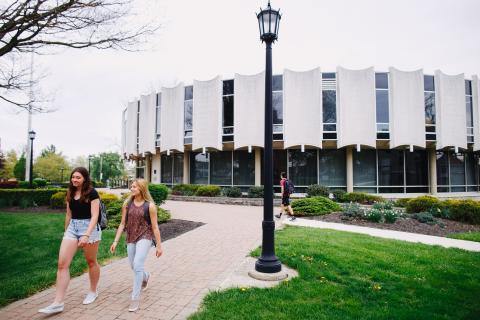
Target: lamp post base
(268, 265)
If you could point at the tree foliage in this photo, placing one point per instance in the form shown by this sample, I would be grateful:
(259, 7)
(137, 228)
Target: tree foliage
(111, 166)
(10, 159)
(19, 168)
(49, 167)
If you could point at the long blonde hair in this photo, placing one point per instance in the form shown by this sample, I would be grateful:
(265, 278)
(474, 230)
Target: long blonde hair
(142, 185)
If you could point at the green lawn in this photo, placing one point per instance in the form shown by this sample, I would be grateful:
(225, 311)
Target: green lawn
(471, 236)
(352, 276)
(29, 246)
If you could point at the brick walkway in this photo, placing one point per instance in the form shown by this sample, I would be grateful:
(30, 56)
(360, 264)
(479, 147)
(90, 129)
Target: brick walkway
(192, 264)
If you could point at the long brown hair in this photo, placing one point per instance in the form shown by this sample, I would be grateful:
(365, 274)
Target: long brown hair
(86, 186)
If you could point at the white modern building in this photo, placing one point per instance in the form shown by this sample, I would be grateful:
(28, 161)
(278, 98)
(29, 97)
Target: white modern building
(356, 130)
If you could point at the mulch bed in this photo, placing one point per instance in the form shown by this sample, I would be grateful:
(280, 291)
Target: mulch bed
(405, 224)
(175, 227)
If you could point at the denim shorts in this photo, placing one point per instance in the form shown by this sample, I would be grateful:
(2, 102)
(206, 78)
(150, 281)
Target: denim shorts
(78, 227)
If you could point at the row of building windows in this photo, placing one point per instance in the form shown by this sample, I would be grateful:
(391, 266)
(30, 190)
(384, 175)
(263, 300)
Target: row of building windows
(329, 108)
(375, 171)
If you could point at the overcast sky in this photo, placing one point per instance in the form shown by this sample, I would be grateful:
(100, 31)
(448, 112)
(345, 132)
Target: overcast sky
(202, 39)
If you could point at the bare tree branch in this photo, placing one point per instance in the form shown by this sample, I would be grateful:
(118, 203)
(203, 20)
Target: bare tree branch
(38, 25)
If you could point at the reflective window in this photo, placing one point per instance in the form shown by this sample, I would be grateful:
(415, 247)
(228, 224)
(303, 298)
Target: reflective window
(302, 167)
(442, 172)
(364, 168)
(178, 168)
(416, 166)
(328, 75)
(221, 168)
(471, 171)
(243, 168)
(158, 113)
(227, 87)
(329, 106)
(228, 111)
(457, 172)
(430, 107)
(382, 106)
(277, 102)
(188, 92)
(429, 83)
(331, 168)
(198, 168)
(166, 169)
(390, 169)
(277, 83)
(381, 80)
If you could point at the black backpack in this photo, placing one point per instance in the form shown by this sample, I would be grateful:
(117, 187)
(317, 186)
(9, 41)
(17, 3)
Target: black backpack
(289, 188)
(102, 216)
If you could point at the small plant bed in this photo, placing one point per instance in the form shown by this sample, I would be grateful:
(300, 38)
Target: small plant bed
(406, 223)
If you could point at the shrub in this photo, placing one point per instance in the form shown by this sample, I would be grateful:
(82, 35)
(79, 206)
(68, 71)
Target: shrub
(315, 190)
(390, 216)
(41, 197)
(107, 198)
(233, 192)
(98, 184)
(387, 205)
(374, 215)
(58, 200)
(159, 192)
(314, 206)
(424, 217)
(208, 191)
(352, 211)
(27, 203)
(422, 204)
(114, 208)
(125, 196)
(163, 215)
(8, 184)
(462, 210)
(402, 203)
(40, 182)
(26, 184)
(255, 192)
(339, 195)
(361, 197)
(185, 189)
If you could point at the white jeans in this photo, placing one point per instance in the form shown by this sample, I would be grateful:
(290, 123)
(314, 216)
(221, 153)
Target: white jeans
(137, 253)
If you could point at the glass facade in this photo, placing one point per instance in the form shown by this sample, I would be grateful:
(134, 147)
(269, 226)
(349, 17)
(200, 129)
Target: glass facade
(221, 168)
(429, 95)
(243, 168)
(390, 171)
(416, 171)
(199, 168)
(469, 110)
(457, 172)
(365, 171)
(188, 114)
(166, 169)
(381, 102)
(277, 103)
(331, 168)
(302, 167)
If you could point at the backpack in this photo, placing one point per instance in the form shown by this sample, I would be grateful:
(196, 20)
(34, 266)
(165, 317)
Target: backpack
(289, 188)
(102, 216)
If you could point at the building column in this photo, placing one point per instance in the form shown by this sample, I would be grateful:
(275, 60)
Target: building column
(186, 167)
(349, 168)
(148, 167)
(258, 166)
(432, 168)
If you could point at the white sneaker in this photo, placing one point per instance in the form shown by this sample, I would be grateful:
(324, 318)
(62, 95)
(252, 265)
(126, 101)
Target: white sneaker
(134, 304)
(91, 297)
(53, 308)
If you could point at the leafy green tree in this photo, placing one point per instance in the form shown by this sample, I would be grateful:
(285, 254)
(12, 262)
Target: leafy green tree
(52, 167)
(111, 166)
(19, 168)
(10, 160)
(51, 149)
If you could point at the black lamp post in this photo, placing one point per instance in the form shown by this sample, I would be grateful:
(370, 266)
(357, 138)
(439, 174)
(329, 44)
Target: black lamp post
(31, 135)
(268, 22)
(90, 157)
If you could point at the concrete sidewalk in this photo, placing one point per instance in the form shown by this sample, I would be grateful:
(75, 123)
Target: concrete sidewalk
(192, 264)
(388, 234)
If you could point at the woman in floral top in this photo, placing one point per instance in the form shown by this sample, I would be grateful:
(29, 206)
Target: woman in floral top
(139, 217)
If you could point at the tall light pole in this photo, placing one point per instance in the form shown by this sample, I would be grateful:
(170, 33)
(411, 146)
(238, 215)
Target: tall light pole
(31, 135)
(90, 157)
(268, 22)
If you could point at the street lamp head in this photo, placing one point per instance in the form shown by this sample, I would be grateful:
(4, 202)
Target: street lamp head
(268, 23)
(31, 135)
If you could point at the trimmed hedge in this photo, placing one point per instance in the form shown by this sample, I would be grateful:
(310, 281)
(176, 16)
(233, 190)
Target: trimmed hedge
(361, 197)
(185, 189)
(422, 204)
(159, 192)
(314, 206)
(208, 191)
(19, 197)
(107, 198)
(233, 192)
(255, 192)
(462, 210)
(59, 200)
(315, 190)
